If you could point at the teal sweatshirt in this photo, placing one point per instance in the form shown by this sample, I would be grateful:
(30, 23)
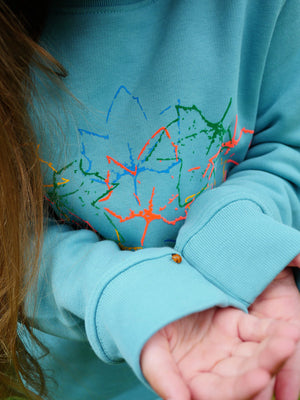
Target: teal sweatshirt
(182, 137)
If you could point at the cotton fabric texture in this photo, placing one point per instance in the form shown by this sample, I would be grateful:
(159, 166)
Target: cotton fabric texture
(184, 139)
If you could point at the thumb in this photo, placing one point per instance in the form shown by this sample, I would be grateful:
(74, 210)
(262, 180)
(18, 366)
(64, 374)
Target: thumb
(161, 371)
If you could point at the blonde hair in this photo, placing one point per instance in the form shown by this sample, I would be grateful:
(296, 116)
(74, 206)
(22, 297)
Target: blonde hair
(21, 200)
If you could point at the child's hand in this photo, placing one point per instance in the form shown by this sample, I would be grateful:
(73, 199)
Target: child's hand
(281, 300)
(217, 354)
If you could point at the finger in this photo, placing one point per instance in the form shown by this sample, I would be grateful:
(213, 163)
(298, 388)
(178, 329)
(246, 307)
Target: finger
(271, 355)
(244, 349)
(161, 371)
(267, 393)
(287, 386)
(256, 329)
(210, 386)
(288, 379)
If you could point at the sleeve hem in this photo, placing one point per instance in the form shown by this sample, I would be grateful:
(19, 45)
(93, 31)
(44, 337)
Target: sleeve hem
(236, 245)
(145, 297)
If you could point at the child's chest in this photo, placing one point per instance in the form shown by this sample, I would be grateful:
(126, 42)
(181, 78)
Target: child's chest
(159, 124)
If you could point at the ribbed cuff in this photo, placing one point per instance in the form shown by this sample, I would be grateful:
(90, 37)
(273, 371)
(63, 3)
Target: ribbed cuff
(240, 248)
(144, 298)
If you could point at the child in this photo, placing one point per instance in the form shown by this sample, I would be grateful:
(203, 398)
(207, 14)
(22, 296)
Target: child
(183, 156)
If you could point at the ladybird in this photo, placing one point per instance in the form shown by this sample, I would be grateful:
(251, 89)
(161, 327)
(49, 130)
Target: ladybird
(177, 258)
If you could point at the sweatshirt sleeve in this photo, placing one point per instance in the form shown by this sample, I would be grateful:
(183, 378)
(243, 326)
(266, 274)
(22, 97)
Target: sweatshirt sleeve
(88, 289)
(243, 233)
(234, 242)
